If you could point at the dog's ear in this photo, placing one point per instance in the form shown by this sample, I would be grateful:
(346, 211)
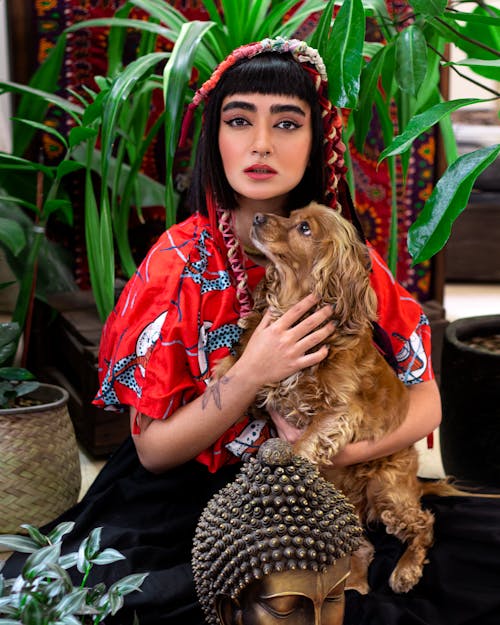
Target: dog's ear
(342, 274)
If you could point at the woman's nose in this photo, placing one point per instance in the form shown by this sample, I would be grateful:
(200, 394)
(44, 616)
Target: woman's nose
(262, 144)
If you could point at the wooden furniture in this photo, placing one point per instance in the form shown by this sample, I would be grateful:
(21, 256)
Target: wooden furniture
(63, 350)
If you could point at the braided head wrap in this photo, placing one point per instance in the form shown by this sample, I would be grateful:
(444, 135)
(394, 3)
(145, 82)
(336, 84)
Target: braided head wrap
(278, 515)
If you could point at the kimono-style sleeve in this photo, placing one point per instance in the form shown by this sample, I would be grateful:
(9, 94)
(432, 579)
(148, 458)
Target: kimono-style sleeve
(155, 347)
(403, 324)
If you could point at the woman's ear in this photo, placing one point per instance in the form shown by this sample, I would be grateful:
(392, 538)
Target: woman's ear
(228, 610)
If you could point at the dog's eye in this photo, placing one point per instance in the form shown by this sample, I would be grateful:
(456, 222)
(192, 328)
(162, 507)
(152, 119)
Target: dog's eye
(304, 228)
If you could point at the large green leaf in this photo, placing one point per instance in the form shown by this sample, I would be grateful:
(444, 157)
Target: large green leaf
(162, 11)
(12, 235)
(116, 22)
(319, 38)
(344, 51)
(295, 21)
(477, 39)
(175, 83)
(411, 59)
(421, 123)
(369, 85)
(429, 8)
(473, 63)
(449, 198)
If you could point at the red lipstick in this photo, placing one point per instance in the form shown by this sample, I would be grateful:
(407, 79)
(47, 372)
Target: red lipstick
(260, 171)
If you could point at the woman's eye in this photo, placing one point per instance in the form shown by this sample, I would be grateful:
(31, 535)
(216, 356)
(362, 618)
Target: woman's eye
(237, 122)
(304, 228)
(288, 124)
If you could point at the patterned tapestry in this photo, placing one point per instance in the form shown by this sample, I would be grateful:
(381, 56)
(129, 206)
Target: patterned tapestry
(86, 57)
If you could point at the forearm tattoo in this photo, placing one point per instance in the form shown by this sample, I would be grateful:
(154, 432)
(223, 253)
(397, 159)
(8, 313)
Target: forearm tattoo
(213, 390)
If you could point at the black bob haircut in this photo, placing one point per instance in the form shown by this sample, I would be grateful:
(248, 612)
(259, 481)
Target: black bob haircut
(266, 73)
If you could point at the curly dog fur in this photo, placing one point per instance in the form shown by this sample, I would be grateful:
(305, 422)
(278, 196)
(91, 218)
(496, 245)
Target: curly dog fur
(353, 394)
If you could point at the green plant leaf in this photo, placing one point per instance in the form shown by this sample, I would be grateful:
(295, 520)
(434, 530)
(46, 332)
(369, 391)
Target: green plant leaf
(429, 8)
(298, 17)
(449, 198)
(369, 85)
(107, 557)
(22, 544)
(477, 40)
(117, 22)
(12, 235)
(68, 167)
(72, 602)
(475, 18)
(475, 63)
(43, 555)
(16, 373)
(34, 532)
(162, 11)
(421, 123)
(344, 51)
(68, 560)
(24, 388)
(60, 530)
(65, 206)
(44, 128)
(319, 38)
(18, 163)
(176, 78)
(93, 543)
(128, 584)
(78, 134)
(411, 59)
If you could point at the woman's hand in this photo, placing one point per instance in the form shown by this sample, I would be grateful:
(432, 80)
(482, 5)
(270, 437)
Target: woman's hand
(279, 348)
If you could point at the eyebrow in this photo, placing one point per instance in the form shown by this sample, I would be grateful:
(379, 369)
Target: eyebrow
(275, 108)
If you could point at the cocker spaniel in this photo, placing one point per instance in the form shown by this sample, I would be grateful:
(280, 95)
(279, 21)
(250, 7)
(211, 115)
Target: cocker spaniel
(353, 394)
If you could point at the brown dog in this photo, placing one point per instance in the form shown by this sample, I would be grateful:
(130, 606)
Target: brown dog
(353, 394)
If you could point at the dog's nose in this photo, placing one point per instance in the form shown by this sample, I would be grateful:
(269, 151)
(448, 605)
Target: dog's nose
(259, 219)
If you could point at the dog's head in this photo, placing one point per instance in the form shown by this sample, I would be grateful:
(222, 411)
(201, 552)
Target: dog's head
(317, 250)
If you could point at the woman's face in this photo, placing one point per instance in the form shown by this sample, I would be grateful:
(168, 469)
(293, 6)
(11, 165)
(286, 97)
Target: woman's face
(293, 598)
(265, 143)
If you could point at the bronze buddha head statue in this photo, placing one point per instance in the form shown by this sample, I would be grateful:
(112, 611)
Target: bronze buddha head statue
(274, 545)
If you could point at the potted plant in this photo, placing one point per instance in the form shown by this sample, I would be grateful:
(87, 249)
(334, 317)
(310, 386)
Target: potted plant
(39, 460)
(44, 592)
(470, 436)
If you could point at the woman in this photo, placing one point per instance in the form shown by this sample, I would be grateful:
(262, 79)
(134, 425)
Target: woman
(270, 143)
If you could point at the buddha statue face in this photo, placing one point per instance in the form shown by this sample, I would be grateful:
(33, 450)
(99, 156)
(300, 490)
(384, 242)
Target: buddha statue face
(294, 597)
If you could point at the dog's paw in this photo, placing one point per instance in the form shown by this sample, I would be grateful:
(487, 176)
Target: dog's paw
(404, 578)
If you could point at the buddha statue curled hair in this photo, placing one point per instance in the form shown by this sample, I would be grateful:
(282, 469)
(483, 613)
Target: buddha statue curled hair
(278, 515)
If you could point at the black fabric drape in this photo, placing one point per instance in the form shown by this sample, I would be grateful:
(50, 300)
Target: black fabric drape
(151, 520)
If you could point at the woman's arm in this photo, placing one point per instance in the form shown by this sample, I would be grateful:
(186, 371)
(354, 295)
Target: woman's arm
(424, 416)
(276, 350)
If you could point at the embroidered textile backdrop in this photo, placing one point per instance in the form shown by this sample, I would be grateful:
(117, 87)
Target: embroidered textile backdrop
(86, 57)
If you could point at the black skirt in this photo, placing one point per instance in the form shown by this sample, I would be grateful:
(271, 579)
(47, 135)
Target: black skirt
(151, 519)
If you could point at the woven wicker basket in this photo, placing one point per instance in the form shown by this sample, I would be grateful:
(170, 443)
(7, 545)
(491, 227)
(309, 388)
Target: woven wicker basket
(39, 462)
